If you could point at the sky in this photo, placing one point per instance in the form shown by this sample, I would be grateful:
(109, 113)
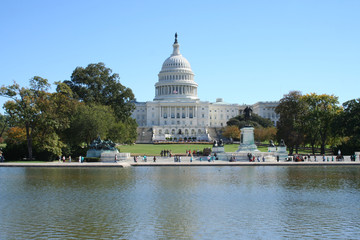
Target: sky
(241, 51)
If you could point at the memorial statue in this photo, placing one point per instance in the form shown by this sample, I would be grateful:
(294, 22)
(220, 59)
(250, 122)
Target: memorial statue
(221, 143)
(271, 144)
(282, 143)
(247, 113)
(99, 144)
(215, 143)
(176, 38)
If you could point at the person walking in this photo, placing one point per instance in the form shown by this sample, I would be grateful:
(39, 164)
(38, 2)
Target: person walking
(154, 159)
(69, 159)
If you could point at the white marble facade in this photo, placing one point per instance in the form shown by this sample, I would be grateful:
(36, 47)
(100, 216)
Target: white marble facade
(176, 110)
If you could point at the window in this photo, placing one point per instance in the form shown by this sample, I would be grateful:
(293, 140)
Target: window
(177, 115)
(165, 115)
(203, 115)
(183, 115)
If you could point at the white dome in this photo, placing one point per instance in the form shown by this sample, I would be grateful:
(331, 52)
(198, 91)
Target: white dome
(176, 62)
(176, 79)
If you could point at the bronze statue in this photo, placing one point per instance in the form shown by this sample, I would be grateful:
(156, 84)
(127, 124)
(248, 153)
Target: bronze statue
(176, 38)
(221, 143)
(215, 143)
(271, 144)
(247, 113)
(282, 143)
(99, 144)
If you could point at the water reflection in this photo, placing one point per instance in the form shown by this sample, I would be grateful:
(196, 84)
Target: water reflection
(180, 202)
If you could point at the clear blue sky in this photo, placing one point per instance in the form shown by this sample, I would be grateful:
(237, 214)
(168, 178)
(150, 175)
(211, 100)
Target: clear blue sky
(242, 51)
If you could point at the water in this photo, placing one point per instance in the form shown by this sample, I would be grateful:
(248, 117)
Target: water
(180, 203)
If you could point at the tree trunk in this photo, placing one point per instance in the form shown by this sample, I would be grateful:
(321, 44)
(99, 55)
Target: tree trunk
(291, 150)
(313, 148)
(29, 141)
(322, 148)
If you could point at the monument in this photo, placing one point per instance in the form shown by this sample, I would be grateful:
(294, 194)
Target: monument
(281, 150)
(105, 150)
(271, 147)
(218, 146)
(247, 142)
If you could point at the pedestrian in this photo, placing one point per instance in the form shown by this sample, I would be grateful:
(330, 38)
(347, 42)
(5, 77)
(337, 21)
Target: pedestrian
(332, 158)
(135, 159)
(145, 158)
(179, 158)
(69, 159)
(63, 158)
(154, 159)
(323, 157)
(263, 158)
(277, 158)
(79, 159)
(258, 158)
(191, 158)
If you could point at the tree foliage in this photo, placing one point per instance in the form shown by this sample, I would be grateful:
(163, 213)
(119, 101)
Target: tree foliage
(231, 132)
(97, 84)
(289, 126)
(24, 106)
(265, 134)
(321, 111)
(347, 125)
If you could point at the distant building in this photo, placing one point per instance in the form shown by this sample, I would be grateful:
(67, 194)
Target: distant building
(177, 112)
(267, 110)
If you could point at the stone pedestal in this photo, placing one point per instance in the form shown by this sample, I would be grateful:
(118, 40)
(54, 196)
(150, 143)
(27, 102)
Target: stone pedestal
(218, 149)
(247, 143)
(271, 149)
(282, 153)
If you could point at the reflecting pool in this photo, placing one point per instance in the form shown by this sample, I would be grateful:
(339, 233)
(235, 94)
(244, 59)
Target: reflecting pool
(263, 202)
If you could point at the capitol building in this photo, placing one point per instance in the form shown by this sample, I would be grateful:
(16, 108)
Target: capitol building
(177, 113)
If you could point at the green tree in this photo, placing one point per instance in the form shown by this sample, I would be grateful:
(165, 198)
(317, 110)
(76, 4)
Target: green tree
(347, 125)
(321, 111)
(90, 121)
(97, 84)
(290, 124)
(4, 125)
(23, 108)
(57, 110)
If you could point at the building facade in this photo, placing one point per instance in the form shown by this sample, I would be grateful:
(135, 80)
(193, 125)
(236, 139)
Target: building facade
(176, 112)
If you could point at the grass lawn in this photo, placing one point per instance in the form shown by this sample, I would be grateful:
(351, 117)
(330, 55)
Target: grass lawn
(155, 149)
